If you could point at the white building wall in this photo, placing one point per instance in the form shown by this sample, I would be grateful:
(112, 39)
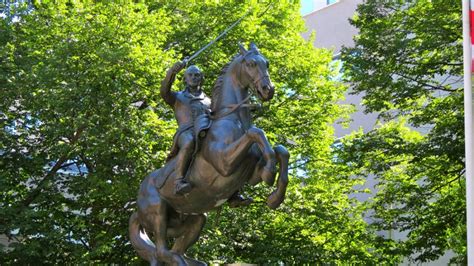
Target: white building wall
(333, 31)
(331, 25)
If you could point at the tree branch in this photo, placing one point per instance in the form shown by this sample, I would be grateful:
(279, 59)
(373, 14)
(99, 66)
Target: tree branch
(431, 86)
(58, 165)
(430, 193)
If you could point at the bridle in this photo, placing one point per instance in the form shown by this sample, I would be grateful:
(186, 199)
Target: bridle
(242, 103)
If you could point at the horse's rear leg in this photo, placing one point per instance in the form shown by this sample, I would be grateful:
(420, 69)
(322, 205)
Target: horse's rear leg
(158, 218)
(189, 230)
(278, 195)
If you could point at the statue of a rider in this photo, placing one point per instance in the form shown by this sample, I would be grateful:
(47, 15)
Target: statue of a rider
(192, 111)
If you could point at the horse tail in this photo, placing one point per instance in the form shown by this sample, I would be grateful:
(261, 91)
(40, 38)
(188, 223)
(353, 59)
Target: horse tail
(143, 246)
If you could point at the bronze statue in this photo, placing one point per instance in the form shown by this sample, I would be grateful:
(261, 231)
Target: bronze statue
(232, 153)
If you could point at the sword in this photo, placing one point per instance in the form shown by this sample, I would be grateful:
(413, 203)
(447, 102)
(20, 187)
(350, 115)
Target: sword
(188, 59)
(143, 104)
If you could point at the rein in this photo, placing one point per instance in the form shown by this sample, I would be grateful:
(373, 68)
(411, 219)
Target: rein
(233, 108)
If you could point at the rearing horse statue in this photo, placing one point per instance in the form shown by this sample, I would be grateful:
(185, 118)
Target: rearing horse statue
(233, 153)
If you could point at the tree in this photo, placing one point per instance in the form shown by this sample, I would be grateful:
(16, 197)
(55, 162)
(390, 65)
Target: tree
(407, 61)
(74, 147)
(71, 141)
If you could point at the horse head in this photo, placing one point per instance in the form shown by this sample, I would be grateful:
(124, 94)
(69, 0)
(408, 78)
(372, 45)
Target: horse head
(254, 72)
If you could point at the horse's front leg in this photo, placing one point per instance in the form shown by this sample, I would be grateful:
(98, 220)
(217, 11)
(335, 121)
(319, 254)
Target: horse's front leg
(278, 195)
(268, 171)
(226, 157)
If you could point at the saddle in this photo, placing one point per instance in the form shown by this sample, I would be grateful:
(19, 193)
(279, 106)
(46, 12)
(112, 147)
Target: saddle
(200, 126)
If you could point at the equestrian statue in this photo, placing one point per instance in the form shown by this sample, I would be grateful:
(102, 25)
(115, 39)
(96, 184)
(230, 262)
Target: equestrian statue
(216, 151)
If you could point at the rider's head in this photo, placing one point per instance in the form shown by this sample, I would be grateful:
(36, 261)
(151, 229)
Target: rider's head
(193, 77)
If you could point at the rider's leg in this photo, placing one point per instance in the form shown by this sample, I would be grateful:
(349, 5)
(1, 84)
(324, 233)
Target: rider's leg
(186, 149)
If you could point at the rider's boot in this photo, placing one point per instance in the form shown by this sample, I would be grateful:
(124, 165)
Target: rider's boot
(236, 200)
(182, 186)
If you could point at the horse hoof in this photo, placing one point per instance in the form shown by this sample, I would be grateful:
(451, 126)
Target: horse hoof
(193, 262)
(239, 201)
(274, 201)
(268, 174)
(179, 260)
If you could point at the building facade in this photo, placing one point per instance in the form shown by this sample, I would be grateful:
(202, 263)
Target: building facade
(332, 29)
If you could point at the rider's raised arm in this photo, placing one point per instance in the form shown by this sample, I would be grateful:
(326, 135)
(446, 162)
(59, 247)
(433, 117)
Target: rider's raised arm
(165, 91)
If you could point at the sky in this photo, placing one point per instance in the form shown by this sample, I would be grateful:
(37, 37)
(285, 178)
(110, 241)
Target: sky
(307, 7)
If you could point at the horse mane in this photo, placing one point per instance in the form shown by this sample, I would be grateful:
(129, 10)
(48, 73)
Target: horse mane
(217, 89)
